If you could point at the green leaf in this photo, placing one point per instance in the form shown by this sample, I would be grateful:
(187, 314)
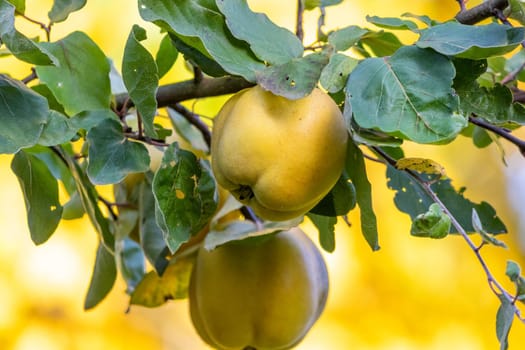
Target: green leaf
(326, 227)
(517, 10)
(487, 237)
(151, 235)
(410, 198)
(141, 78)
(295, 79)
(381, 43)
(269, 42)
(504, 318)
(20, 6)
(312, 4)
(40, 190)
(166, 55)
(513, 270)
(235, 230)
(130, 262)
(185, 195)
(18, 44)
(155, 290)
(356, 170)
(335, 73)
(187, 131)
(473, 42)
(23, 114)
(192, 20)
(344, 38)
(112, 156)
(58, 129)
(89, 119)
(433, 224)
(89, 198)
(75, 82)
(408, 95)
(392, 23)
(339, 201)
(62, 8)
(102, 279)
(197, 58)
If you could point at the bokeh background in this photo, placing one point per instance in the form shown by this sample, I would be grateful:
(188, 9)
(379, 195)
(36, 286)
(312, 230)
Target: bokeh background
(412, 294)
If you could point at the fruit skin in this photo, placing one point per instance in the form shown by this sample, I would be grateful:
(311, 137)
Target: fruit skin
(278, 156)
(262, 293)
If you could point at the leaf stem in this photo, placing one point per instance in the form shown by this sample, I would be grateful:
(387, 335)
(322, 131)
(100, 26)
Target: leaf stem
(299, 31)
(494, 285)
(499, 131)
(46, 28)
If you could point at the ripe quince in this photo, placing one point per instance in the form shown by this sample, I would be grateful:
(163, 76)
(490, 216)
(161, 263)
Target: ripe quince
(276, 155)
(261, 293)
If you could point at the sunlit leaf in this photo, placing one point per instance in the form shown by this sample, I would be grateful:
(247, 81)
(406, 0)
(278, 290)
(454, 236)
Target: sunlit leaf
(407, 95)
(381, 43)
(192, 20)
(141, 78)
(356, 170)
(74, 81)
(295, 79)
(40, 190)
(23, 114)
(18, 44)
(474, 42)
(102, 279)
(154, 290)
(421, 165)
(62, 8)
(112, 156)
(185, 195)
(269, 42)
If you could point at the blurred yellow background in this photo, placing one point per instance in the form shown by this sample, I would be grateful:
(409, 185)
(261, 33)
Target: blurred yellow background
(412, 294)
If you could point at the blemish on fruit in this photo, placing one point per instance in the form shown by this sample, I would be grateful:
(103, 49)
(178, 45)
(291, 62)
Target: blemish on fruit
(180, 194)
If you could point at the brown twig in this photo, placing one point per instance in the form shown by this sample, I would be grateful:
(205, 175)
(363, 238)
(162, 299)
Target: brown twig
(46, 28)
(299, 31)
(186, 90)
(194, 120)
(500, 132)
(481, 12)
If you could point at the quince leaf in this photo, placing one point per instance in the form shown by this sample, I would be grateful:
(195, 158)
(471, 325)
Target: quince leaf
(102, 279)
(112, 156)
(185, 195)
(434, 223)
(294, 79)
(141, 78)
(473, 42)
(75, 84)
(269, 42)
(166, 55)
(408, 95)
(40, 189)
(154, 290)
(23, 114)
(326, 227)
(62, 8)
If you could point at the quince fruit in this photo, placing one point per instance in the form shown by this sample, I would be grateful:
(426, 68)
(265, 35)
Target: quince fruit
(276, 155)
(260, 293)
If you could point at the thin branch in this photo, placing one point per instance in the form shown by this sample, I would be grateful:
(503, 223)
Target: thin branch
(462, 6)
(186, 90)
(46, 28)
(299, 32)
(494, 285)
(499, 131)
(481, 12)
(30, 77)
(195, 120)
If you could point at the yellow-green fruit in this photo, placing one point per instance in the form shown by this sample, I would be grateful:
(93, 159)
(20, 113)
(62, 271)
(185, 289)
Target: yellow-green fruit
(263, 294)
(279, 156)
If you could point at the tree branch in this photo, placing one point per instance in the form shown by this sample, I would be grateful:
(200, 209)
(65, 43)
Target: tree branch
(299, 21)
(195, 121)
(500, 132)
(186, 90)
(481, 12)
